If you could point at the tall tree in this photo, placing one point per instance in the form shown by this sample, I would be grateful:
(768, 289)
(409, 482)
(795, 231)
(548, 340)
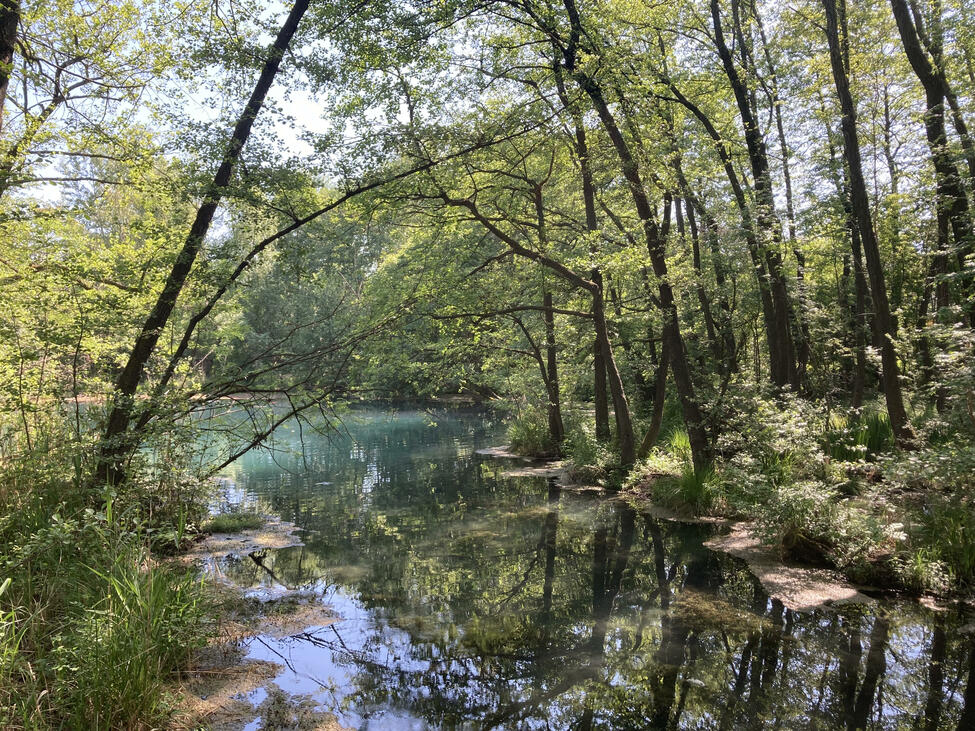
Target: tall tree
(783, 355)
(952, 203)
(630, 168)
(860, 203)
(9, 20)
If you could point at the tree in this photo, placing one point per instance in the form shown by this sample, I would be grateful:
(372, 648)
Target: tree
(861, 210)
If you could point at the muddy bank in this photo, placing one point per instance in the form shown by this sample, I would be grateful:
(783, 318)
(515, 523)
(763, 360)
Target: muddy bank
(798, 587)
(564, 472)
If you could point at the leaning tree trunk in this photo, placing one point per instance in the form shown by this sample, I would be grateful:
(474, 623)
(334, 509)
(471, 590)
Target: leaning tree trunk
(861, 208)
(693, 419)
(118, 443)
(783, 357)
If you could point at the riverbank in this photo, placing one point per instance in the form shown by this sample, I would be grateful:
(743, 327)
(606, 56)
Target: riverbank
(862, 521)
(450, 575)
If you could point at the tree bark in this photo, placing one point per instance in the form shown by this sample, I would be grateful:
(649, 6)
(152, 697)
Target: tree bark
(555, 425)
(693, 419)
(951, 199)
(9, 20)
(783, 358)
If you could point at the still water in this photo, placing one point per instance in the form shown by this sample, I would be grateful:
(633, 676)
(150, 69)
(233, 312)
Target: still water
(468, 599)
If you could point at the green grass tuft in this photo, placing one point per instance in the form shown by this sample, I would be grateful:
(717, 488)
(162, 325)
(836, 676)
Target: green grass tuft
(233, 522)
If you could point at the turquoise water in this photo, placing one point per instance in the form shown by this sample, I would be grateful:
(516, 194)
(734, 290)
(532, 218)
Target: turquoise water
(468, 599)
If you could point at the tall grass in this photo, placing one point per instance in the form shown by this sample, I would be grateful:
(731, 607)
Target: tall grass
(697, 491)
(92, 626)
(948, 532)
(528, 434)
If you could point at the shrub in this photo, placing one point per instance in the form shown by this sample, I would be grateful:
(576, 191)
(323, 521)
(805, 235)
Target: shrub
(91, 625)
(528, 433)
(695, 490)
(860, 435)
(947, 532)
(809, 522)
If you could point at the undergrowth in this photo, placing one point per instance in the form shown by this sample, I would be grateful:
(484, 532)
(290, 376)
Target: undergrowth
(528, 433)
(825, 486)
(92, 625)
(233, 522)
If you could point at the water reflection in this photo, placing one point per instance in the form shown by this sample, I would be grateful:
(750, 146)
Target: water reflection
(473, 601)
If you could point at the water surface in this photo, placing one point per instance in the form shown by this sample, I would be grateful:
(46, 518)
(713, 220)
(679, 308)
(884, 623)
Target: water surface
(471, 600)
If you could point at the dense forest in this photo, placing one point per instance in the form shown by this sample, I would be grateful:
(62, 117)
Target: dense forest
(719, 254)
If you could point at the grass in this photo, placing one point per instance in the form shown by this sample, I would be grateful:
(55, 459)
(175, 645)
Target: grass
(92, 625)
(947, 533)
(529, 435)
(675, 483)
(856, 437)
(233, 522)
(693, 490)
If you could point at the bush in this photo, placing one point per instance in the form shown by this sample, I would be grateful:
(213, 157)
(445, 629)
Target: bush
(811, 524)
(581, 444)
(697, 491)
(859, 435)
(947, 533)
(528, 434)
(668, 476)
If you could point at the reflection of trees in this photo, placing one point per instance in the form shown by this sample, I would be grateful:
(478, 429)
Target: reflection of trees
(501, 603)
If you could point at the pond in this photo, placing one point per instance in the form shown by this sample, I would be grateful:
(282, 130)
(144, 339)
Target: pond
(471, 599)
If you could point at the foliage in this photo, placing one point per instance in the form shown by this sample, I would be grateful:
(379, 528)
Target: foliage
(858, 436)
(581, 445)
(528, 433)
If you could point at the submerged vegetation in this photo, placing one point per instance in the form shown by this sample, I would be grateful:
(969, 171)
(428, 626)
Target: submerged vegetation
(720, 253)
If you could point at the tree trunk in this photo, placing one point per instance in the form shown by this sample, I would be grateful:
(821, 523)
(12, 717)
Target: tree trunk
(621, 406)
(709, 229)
(802, 325)
(600, 401)
(9, 20)
(659, 397)
(783, 359)
(555, 425)
(762, 278)
(693, 419)
(861, 209)
(702, 295)
(951, 199)
(117, 443)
